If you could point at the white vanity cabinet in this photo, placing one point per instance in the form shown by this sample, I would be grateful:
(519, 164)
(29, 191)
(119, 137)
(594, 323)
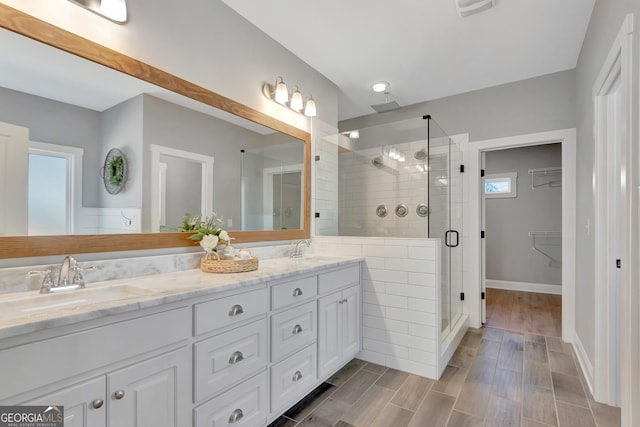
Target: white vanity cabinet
(239, 356)
(127, 381)
(294, 320)
(230, 360)
(339, 319)
(84, 403)
(153, 393)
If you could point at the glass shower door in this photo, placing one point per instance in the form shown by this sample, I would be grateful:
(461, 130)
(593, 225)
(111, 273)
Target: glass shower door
(454, 246)
(445, 219)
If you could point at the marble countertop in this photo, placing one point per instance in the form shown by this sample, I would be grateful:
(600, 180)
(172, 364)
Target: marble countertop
(26, 312)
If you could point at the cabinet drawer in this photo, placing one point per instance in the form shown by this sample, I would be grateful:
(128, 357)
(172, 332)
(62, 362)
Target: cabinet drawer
(292, 330)
(333, 280)
(292, 292)
(215, 314)
(243, 406)
(293, 378)
(223, 360)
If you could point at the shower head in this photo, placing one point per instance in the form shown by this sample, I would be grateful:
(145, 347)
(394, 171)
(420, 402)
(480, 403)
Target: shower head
(420, 154)
(377, 162)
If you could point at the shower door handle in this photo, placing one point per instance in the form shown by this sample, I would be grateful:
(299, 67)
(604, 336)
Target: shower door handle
(447, 238)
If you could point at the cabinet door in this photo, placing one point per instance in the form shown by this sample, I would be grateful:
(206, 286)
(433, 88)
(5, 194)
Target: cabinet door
(351, 322)
(84, 403)
(152, 393)
(329, 333)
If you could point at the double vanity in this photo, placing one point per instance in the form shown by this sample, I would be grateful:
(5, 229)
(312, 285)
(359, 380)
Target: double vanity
(184, 348)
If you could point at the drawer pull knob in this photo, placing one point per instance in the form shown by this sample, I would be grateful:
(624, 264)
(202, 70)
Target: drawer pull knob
(236, 357)
(97, 404)
(236, 416)
(297, 292)
(236, 310)
(296, 329)
(297, 376)
(118, 394)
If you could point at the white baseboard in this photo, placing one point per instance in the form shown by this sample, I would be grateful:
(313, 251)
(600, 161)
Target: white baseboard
(583, 361)
(540, 288)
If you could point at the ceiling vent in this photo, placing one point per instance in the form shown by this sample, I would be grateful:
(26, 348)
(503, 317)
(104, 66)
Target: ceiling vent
(471, 7)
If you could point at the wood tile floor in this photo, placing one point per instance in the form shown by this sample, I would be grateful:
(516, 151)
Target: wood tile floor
(517, 372)
(526, 312)
(495, 378)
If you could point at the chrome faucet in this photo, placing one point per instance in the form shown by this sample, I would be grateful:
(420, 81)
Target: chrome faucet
(69, 266)
(69, 263)
(297, 251)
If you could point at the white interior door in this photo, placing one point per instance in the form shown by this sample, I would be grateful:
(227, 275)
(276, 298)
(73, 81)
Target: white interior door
(483, 249)
(14, 158)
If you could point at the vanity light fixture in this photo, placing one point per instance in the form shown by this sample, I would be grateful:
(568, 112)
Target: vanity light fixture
(280, 94)
(114, 10)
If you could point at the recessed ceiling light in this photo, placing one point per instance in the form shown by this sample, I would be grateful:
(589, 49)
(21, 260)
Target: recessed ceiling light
(380, 86)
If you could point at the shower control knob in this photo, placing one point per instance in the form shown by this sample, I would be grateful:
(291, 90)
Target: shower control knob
(423, 210)
(402, 210)
(382, 211)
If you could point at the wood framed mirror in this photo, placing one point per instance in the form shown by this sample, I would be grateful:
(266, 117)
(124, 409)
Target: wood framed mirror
(33, 246)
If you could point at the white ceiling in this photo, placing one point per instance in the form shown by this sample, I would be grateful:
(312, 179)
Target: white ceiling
(422, 47)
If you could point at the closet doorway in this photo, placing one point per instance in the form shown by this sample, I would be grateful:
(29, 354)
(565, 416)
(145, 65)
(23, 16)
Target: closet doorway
(521, 206)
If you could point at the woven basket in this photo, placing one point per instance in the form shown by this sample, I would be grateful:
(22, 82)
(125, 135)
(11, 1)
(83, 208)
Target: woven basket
(217, 265)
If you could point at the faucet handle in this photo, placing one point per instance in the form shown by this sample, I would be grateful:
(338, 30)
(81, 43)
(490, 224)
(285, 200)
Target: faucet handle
(78, 279)
(47, 278)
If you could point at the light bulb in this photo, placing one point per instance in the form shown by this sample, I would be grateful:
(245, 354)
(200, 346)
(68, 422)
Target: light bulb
(296, 101)
(380, 86)
(114, 9)
(310, 108)
(282, 93)
(354, 134)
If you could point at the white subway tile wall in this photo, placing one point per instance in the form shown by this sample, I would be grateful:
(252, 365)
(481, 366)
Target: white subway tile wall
(401, 304)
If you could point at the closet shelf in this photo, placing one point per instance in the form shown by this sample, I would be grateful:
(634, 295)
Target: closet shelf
(546, 172)
(553, 262)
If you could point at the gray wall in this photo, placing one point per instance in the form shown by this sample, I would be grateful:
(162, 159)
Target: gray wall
(509, 254)
(122, 129)
(59, 123)
(183, 190)
(528, 106)
(606, 21)
(174, 126)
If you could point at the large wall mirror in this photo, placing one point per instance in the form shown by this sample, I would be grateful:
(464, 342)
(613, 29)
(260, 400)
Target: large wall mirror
(101, 152)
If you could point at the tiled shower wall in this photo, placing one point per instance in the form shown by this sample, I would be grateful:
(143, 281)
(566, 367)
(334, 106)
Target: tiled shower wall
(364, 186)
(401, 302)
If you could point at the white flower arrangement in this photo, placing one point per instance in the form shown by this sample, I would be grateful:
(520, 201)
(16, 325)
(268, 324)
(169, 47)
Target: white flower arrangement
(206, 230)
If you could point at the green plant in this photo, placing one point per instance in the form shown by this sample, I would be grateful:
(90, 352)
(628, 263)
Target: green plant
(200, 227)
(116, 171)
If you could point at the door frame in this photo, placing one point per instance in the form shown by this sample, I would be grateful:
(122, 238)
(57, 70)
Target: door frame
(473, 247)
(74, 157)
(612, 372)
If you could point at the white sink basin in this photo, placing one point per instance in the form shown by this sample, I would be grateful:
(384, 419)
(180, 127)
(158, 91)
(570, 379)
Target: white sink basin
(36, 303)
(314, 259)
